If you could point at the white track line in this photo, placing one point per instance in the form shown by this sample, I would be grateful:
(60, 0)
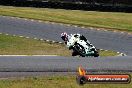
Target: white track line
(25, 19)
(82, 27)
(62, 24)
(21, 36)
(47, 40)
(122, 32)
(68, 25)
(101, 49)
(91, 28)
(41, 39)
(32, 20)
(129, 33)
(76, 26)
(27, 37)
(39, 21)
(118, 52)
(35, 38)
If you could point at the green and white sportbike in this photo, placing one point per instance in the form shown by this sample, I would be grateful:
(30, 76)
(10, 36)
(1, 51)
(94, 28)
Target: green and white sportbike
(80, 45)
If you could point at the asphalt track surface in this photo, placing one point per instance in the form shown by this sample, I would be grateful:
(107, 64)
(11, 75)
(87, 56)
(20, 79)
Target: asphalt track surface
(14, 66)
(121, 42)
(116, 41)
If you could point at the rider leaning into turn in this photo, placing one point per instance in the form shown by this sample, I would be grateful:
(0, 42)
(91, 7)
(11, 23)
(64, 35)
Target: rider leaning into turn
(72, 38)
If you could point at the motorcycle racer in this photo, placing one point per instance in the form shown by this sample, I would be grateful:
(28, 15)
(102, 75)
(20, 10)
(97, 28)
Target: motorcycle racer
(71, 39)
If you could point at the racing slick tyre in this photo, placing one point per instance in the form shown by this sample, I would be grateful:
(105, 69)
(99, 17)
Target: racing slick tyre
(96, 54)
(74, 53)
(79, 49)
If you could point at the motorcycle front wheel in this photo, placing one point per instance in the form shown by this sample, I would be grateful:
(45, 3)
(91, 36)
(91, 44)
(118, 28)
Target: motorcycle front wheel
(79, 49)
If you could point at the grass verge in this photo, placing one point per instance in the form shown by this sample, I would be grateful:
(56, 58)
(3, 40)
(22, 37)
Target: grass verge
(53, 82)
(22, 46)
(110, 20)
(10, 45)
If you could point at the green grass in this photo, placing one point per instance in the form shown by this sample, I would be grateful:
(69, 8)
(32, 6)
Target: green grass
(21, 46)
(53, 82)
(110, 20)
(10, 45)
(107, 53)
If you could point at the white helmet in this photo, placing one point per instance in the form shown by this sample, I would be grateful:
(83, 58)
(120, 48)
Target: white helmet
(64, 36)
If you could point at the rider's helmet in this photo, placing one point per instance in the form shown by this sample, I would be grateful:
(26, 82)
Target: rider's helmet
(64, 36)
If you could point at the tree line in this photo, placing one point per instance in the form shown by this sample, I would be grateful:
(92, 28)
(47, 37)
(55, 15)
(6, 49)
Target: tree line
(103, 5)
